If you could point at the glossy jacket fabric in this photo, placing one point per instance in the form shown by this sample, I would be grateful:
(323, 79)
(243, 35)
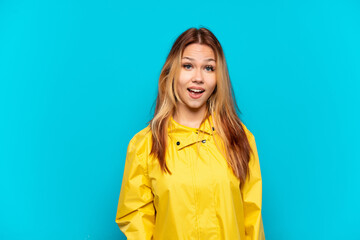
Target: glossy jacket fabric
(202, 199)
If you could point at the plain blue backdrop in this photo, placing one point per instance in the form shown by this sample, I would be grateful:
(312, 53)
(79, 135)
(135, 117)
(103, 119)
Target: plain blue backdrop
(79, 78)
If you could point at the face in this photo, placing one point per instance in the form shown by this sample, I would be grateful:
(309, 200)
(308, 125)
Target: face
(197, 79)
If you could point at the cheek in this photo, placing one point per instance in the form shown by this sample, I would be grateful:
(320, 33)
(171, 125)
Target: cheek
(212, 84)
(180, 86)
(184, 76)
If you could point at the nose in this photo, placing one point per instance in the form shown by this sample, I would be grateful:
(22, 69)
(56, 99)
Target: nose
(198, 77)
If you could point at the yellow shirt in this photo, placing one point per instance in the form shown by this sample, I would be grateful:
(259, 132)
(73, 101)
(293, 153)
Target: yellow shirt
(202, 199)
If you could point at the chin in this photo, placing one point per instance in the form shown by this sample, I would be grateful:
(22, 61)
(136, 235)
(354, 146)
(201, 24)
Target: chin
(195, 107)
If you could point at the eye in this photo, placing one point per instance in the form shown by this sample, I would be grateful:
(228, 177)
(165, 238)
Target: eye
(210, 68)
(187, 66)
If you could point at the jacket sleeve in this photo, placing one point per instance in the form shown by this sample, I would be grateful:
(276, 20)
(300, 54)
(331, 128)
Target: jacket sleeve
(136, 213)
(252, 195)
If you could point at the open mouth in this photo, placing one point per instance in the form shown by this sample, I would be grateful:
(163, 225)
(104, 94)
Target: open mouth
(196, 91)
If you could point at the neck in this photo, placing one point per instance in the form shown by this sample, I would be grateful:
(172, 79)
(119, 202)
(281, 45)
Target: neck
(189, 118)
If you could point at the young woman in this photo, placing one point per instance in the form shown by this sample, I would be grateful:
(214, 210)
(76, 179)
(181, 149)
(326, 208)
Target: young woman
(193, 172)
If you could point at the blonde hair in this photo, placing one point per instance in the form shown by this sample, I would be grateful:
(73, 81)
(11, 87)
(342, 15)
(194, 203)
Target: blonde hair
(221, 104)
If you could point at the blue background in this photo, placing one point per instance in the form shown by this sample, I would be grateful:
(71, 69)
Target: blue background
(79, 78)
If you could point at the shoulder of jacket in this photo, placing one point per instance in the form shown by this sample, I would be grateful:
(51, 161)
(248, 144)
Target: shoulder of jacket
(140, 140)
(143, 133)
(248, 133)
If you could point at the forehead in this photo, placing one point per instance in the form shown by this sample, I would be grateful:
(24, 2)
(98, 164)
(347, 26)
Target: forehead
(198, 51)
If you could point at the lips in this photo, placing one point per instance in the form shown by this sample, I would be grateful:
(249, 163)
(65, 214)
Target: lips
(195, 92)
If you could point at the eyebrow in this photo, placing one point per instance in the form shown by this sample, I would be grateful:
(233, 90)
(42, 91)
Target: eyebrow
(207, 60)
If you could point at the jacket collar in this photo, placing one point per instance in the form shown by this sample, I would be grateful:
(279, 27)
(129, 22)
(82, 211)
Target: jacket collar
(184, 136)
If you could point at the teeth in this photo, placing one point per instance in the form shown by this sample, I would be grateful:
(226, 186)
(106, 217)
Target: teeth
(196, 90)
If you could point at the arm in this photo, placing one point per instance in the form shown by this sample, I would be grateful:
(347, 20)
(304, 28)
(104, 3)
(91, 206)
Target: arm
(135, 213)
(252, 194)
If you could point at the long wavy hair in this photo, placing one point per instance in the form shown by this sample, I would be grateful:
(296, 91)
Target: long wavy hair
(221, 104)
